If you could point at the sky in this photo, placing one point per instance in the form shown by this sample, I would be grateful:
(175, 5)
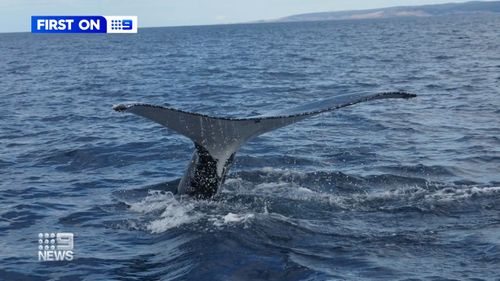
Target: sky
(15, 15)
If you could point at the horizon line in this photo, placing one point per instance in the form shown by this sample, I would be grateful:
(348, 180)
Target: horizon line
(276, 20)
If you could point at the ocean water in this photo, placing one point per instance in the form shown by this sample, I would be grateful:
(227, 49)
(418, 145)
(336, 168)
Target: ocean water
(386, 190)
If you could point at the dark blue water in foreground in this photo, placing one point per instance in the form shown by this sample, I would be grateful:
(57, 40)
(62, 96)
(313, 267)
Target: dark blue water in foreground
(387, 190)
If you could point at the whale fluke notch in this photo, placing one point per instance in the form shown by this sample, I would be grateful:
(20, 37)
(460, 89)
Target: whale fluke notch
(217, 139)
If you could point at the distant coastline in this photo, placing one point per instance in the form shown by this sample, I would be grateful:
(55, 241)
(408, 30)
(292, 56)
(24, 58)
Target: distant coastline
(433, 10)
(473, 7)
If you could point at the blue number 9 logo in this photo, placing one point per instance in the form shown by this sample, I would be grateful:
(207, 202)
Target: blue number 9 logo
(127, 24)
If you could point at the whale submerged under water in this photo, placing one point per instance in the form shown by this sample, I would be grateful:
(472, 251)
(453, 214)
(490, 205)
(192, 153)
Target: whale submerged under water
(217, 139)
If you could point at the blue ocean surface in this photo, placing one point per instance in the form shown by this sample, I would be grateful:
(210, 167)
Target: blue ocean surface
(385, 190)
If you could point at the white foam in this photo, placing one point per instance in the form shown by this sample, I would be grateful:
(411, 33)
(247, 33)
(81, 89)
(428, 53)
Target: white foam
(304, 189)
(405, 194)
(170, 218)
(174, 214)
(232, 218)
(155, 200)
(424, 197)
(170, 212)
(283, 172)
(452, 194)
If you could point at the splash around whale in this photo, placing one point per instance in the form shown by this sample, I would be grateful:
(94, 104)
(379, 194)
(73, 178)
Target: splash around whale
(217, 139)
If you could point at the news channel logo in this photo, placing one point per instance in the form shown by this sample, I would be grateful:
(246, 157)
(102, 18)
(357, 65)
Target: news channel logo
(84, 24)
(55, 246)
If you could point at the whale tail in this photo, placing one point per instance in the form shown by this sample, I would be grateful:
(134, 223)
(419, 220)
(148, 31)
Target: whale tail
(217, 139)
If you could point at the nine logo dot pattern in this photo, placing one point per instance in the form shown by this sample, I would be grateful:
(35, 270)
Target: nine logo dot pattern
(46, 241)
(116, 25)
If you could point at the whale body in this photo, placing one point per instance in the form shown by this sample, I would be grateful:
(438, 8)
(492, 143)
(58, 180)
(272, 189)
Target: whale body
(217, 139)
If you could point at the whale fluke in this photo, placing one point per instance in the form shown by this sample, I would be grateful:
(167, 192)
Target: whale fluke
(217, 139)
